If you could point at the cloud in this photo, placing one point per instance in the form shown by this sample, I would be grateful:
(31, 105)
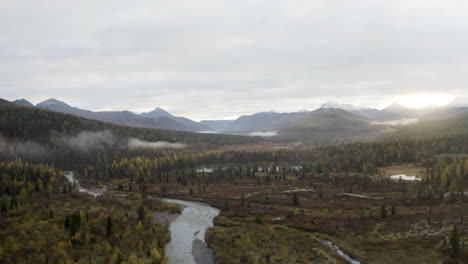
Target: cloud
(208, 132)
(400, 122)
(212, 59)
(134, 143)
(22, 148)
(90, 140)
(264, 134)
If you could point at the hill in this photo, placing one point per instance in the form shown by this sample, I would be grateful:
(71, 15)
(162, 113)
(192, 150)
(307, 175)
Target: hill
(332, 125)
(190, 125)
(23, 102)
(51, 136)
(264, 121)
(434, 128)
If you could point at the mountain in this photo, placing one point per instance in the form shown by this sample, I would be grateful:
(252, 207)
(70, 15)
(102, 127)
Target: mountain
(164, 121)
(347, 107)
(455, 125)
(42, 126)
(327, 125)
(273, 121)
(158, 112)
(4, 102)
(395, 112)
(217, 125)
(190, 125)
(60, 106)
(23, 102)
(445, 112)
(259, 122)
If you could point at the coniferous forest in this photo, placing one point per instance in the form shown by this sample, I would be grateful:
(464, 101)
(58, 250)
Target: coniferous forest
(279, 202)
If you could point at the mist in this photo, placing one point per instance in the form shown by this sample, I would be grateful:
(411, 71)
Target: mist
(90, 140)
(400, 122)
(22, 148)
(134, 143)
(263, 134)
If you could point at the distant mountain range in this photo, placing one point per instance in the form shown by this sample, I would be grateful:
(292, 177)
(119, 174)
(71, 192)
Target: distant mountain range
(331, 120)
(272, 121)
(156, 119)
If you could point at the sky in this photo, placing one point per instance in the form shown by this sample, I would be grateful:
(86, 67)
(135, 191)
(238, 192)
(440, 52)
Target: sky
(217, 59)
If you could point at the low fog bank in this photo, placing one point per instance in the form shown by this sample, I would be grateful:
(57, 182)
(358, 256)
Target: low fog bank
(20, 148)
(400, 122)
(263, 134)
(134, 143)
(83, 142)
(90, 140)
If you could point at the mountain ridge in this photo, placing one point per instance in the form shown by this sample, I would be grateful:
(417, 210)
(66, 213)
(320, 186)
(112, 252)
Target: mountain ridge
(116, 117)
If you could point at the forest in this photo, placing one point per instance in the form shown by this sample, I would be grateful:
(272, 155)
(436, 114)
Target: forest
(286, 197)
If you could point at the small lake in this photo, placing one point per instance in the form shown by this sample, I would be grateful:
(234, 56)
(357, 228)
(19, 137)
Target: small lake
(404, 177)
(187, 245)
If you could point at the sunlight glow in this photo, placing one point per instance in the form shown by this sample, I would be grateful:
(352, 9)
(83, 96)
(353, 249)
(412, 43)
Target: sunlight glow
(424, 100)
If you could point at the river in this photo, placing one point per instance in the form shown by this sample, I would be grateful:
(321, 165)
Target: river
(187, 245)
(340, 252)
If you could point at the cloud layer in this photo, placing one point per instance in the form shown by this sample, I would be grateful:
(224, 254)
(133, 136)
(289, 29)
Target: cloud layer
(134, 143)
(212, 59)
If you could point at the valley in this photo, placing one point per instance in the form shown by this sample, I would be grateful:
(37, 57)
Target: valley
(233, 132)
(395, 198)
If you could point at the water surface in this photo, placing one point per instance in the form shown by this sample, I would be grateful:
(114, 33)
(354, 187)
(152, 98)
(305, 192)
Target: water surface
(187, 245)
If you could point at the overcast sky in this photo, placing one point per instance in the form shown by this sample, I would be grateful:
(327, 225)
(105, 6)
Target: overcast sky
(215, 59)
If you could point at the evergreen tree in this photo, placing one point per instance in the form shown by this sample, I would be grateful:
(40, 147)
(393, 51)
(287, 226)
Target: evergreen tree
(141, 213)
(109, 226)
(455, 240)
(295, 199)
